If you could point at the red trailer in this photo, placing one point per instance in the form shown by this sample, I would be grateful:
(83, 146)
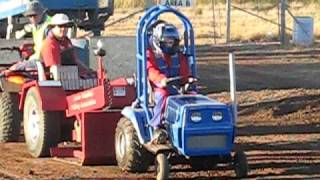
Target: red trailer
(66, 116)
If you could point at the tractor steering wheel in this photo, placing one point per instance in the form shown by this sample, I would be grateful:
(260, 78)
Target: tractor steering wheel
(181, 87)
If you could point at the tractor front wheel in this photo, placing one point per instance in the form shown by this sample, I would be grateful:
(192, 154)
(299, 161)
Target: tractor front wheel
(240, 164)
(10, 117)
(41, 128)
(130, 154)
(162, 166)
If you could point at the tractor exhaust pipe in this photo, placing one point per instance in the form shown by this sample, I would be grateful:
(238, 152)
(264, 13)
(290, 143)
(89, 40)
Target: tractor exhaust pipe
(233, 88)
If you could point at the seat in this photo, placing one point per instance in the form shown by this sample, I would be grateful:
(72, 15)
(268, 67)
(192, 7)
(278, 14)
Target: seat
(70, 79)
(151, 98)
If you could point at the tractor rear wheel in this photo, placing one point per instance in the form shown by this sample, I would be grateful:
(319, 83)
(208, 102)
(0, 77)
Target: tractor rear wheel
(130, 154)
(10, 117)
(41, 128)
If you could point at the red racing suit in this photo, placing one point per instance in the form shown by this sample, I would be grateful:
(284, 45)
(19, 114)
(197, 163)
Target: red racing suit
(160, 67)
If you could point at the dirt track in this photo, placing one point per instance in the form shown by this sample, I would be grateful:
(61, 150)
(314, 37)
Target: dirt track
(278, 127)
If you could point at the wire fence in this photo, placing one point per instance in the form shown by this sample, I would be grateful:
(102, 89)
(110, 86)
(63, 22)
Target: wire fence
(251, 21)
(261, 21)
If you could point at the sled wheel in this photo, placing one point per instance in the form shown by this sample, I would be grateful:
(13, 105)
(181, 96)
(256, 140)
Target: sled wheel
(41, 128)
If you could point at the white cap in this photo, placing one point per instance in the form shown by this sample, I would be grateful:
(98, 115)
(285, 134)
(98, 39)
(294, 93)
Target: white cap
(60, 19)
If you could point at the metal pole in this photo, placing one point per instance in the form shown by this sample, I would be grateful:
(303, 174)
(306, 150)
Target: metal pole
(233, 88)
(228, 8)
(9, 27)
(213, 2)
(283, 7)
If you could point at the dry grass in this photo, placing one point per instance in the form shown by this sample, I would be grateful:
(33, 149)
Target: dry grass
(129, 3)
(244, 27)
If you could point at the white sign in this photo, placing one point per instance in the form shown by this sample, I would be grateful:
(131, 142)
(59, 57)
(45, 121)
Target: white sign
(119, 91)
(182, 3)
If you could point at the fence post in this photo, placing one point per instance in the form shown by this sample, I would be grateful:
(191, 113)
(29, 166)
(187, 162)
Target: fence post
(283, 7)
(228, 8)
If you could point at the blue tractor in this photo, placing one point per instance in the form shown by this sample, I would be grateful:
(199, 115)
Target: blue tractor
(200, 130)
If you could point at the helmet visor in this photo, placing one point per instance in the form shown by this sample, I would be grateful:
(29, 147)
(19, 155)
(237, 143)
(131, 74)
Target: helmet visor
(169, 42)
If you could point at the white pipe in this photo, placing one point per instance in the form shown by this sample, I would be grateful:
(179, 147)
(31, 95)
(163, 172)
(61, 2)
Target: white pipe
(54, 72)
(41, 74)
(233, 88)
(9, 27)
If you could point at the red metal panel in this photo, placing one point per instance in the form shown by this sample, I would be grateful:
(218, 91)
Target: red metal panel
(23, 93)
(98, 131)
(122, 101)
(119, 82)
(85, 101)
(53, 98)
(63, 152)
(97, 139)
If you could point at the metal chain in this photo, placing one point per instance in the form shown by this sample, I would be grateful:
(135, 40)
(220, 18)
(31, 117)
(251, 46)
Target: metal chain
(109, 94)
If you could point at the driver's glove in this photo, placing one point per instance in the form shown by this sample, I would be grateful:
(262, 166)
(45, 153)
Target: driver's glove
(163, 82)
(26, 29)
(20, 34)
(192, 80)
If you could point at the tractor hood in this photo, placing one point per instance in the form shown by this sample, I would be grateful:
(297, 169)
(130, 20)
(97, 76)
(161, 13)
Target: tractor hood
(183, 105)
(198, 125)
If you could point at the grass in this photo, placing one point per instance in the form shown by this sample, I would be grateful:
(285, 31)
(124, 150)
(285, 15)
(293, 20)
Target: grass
(244, 27)
(129, 3)
(141, 3)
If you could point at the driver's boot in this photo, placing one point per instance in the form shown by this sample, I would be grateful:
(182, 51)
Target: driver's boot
(160, 136)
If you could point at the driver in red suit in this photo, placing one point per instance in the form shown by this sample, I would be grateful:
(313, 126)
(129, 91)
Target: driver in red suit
(164, 61)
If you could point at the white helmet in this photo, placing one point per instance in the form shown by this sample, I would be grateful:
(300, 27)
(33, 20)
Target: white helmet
(60, 19)
(166, 38)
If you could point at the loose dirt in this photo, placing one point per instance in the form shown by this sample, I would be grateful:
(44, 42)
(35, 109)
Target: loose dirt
(278, 126)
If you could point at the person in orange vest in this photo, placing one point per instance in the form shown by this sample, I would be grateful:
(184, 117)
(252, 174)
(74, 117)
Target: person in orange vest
(38, 26)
